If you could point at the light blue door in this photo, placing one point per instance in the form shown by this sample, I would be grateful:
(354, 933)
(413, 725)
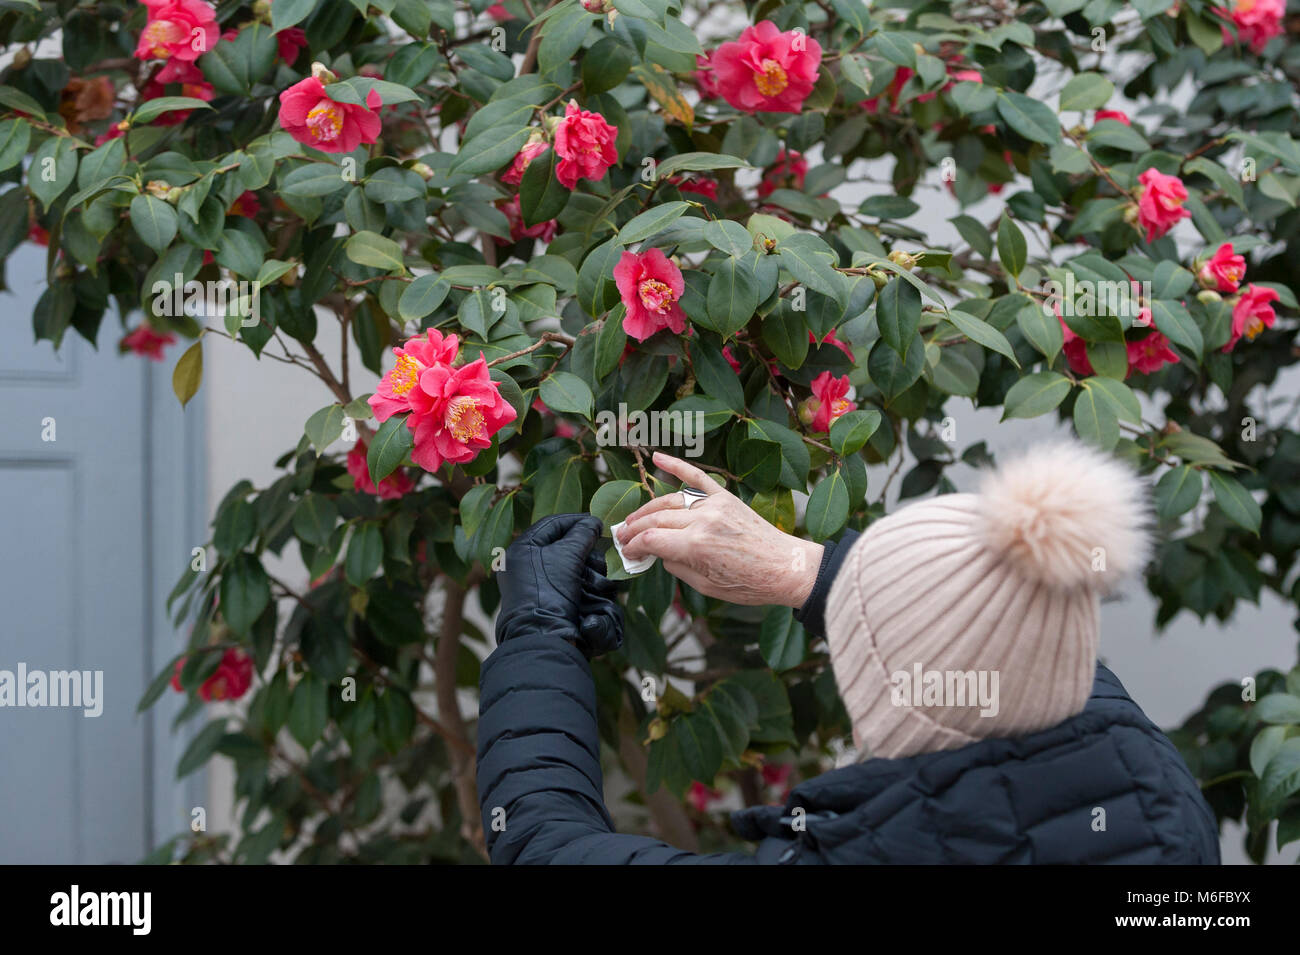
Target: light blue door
(95, 526)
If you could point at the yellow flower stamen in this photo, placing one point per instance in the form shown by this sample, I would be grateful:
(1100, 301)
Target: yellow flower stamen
(464, 419)
(772, 80)
(404, 375)
(325, 121)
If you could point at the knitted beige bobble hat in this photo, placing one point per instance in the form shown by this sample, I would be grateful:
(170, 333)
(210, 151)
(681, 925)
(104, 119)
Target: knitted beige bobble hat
(967, 616)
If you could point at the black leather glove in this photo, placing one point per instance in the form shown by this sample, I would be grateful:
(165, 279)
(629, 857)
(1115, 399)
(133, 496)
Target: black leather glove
(553, 584)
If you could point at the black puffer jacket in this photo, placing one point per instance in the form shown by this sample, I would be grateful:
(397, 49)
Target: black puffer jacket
(1032, 799)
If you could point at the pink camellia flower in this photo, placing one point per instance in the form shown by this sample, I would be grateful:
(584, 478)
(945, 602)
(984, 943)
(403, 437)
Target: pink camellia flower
(766, 70)
(309, 115)
(706, 81)
(1074, 348)
(515, 174)
(396, 485)
(701, 796)
(543, 230)
(1224, 270)
(177, 30)
(246, 205)
(499, 13)
(1160, 204)
(827, 402)
(38, 234)
(1115, 114)
(731, 359)
(455, 412)
(289, 42)
(777, 776)
(699, 185)
(830, 339)
(233, 677)
(789, 170)
(393, 393)
(1150, 354)
(967, 76)
(149, 343)
(650, 286)
(585, 144)
(1252, 313)
(1257, 21)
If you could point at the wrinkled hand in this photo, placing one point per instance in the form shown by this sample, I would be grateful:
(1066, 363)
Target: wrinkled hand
(721, 547)
(554, 584)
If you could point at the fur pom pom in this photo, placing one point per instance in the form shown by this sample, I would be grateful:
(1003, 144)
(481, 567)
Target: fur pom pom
(1067, 515)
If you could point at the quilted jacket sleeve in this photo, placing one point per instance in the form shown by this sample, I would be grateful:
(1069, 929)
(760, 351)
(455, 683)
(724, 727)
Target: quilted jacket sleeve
(539, 779)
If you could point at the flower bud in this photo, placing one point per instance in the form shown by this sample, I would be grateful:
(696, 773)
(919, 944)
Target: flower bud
(22, 58)
(1131, 213)
(763, 244)
(157, 188)
(903, 259)
(879, 279)
(1208, 296)
(262, 10)
(422, 170)
(597, 6)
(322, 73)
(808, 410)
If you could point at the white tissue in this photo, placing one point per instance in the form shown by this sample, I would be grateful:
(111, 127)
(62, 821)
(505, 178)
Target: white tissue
(639, 566)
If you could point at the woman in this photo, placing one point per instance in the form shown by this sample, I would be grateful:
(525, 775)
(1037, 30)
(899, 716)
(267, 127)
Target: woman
(963, 636)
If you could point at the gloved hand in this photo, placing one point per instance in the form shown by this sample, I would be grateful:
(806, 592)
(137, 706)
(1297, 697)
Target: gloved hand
(553, 584)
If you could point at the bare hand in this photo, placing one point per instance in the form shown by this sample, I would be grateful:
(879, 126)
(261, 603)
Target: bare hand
(720, 546)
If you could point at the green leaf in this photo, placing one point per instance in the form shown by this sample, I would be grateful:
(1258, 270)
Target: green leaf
(312, 179)
(287, 13)
(696, 162)
(1012, 249)
(314, 519)
(716, 376)
(758, 463)
(1095, 418)
(982, 333)
(325, 426)
(376, 251)
(422, 297)
(490, 150)
(728, 237)
(1235, 501)
(1035, 394)
(53, 169)
(812, 262)
(828, 506)
(245, 592)
(1086, 91)
(651, 221)
(852, 430)
(565, 392)
(309, 710)
(733, 296)
(188, 374)
(1279, 708)
(1030, 118)
(614, 501)
(15, 136)
(541, 196)
(152, 109)
(781, 639)
(1177, 492)
(390, 446)
(1172, 319)
(893, 373)
(898, 313)
(365, 551)
(201, 747)
(1119, 395)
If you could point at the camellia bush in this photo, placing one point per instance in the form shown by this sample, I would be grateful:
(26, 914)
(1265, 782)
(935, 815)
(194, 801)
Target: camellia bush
(786, 240)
